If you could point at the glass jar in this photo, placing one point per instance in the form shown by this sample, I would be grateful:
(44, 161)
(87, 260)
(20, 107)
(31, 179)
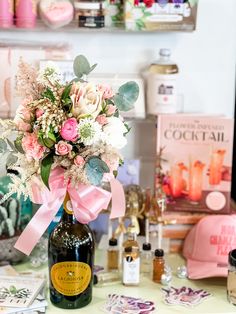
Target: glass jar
(89, 13)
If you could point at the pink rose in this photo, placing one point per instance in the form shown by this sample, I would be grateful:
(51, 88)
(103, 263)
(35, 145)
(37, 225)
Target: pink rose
(69, 130)
(62, 148)
(31, 146)
(106, 90)
(39, 113)
(79, 160)
(101, 119)
(111, 110)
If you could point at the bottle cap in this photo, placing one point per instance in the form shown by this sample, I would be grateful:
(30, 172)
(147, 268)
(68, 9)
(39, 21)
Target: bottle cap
(165, 52)
(95, 279)
(159, 253)
(232, 258)
(128, 249)
(147, 247)
(113, 242)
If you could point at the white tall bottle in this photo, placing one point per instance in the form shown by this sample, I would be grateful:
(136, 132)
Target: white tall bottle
(162, 79)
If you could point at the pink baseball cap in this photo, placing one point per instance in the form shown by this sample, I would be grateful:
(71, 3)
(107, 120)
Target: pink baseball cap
(207, 245)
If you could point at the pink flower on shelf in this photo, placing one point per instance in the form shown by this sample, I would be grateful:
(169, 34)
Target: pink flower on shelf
(79, 160)
(148, 3)
(69, 130)
(62, 148)
(39, 113)
(101, 119)
(106, 90)
(111, 110)
(31, 146)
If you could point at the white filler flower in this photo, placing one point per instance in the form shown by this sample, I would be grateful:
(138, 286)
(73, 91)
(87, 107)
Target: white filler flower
(113, 133)
(89, 131)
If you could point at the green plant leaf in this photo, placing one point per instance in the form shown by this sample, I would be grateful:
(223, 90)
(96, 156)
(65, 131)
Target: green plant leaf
(126, 96)
(18, 144)
(66, 92)
(3, 146)
(11, 160)
(48, 94)
(95, 169)
(46, 165)
(82, 67)
(11, 145)
(193, 2)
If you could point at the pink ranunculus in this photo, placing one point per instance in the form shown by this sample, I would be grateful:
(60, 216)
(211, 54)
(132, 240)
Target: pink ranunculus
(79, 160)
(62, 148)
(106, 90)
(101, 119)
(31, 146)
(39, 113)
(69, 130)
(111, 110)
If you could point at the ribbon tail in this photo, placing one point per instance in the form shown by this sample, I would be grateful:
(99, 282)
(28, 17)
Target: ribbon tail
(118, 199)
(37, 226)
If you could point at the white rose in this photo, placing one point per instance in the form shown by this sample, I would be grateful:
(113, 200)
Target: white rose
(86, 100)
(114, 133)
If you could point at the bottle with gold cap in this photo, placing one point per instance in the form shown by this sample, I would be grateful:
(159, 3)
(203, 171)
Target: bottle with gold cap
(70, 257)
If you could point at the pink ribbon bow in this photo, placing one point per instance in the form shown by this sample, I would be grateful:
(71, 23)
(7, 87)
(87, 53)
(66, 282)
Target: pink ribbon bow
(87, 202)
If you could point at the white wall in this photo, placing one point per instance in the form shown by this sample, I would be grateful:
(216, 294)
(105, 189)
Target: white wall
(206, 59)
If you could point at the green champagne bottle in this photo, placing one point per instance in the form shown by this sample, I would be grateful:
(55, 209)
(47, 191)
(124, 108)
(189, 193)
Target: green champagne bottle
(71, 256)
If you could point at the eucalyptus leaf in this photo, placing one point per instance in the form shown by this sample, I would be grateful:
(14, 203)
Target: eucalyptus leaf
(82, 67)
(11, 145)
(46, 165)
(95, 169)
(127, 95)
(11, 159)
(3, 146)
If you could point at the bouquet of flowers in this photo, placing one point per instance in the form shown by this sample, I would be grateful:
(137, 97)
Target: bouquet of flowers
(70, 132)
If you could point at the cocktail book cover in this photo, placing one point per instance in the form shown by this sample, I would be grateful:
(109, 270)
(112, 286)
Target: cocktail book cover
(196, 160)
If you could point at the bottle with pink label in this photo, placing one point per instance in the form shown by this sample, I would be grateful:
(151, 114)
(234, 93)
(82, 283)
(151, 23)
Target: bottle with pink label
(26, 12)
(6, 13)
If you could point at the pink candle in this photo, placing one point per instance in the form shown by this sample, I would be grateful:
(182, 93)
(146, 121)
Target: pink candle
(26, 11)
(6, 13)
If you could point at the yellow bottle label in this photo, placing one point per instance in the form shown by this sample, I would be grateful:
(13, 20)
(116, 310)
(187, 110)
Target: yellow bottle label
(71, 278)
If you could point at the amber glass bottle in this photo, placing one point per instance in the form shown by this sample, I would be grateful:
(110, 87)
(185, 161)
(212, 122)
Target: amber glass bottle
(70, 256)
(158, 265)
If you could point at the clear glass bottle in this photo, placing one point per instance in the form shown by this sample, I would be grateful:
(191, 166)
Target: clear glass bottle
(146, 259)
(101, 279)
(231, 279)
(131, 261)
(162, 85)
(113, 255)
(158, 265)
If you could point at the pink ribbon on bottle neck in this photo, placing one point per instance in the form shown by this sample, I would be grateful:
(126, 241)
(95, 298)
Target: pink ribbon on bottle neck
(87, 202)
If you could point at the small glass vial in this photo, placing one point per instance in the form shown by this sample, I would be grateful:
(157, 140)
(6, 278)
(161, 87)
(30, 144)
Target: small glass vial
(158, 265)
(113, 255)
(101, 279)
(146, 259)
(131, 266)
(231, 280)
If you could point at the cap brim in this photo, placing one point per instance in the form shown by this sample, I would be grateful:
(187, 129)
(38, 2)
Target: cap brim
(198, 270)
